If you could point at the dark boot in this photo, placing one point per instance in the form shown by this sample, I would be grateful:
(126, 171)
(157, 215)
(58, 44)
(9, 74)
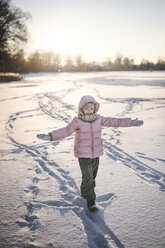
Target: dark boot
(92, 206)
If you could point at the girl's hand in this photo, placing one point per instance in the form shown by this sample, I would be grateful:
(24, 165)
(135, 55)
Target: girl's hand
(44, 136)
(136, 122)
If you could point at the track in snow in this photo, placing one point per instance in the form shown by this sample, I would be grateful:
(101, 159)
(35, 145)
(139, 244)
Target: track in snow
(98, 233)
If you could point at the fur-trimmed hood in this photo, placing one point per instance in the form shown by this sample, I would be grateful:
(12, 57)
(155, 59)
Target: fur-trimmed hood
(86, 99)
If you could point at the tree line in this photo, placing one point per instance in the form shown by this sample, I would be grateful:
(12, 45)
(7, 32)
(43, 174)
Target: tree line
(42, 61)
(13, 34)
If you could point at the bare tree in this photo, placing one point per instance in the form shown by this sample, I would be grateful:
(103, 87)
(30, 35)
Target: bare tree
(69, 61)
(56, 61)
(118, 61)
(81, 65)
(12, 25)
(35, 62)
(50, 61)
(128, 63)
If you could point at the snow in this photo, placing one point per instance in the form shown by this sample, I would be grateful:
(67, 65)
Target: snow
(40, 203)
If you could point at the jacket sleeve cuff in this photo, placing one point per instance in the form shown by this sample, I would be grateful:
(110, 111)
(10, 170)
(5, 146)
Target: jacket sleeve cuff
(51, 137)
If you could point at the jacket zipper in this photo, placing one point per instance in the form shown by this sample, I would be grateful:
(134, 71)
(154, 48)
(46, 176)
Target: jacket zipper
(92, 139)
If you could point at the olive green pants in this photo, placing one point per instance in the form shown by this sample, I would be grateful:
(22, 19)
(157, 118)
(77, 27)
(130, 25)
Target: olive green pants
(89, 168)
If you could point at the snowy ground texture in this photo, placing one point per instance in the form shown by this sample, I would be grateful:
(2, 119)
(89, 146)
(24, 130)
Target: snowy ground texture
(40, 203)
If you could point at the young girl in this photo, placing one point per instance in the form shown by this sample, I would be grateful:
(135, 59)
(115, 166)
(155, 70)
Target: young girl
(88, 146)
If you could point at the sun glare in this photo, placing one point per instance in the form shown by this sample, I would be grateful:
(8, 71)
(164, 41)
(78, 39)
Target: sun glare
(61, 41)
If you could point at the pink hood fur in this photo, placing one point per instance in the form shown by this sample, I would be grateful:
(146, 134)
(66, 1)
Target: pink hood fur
(86, 99)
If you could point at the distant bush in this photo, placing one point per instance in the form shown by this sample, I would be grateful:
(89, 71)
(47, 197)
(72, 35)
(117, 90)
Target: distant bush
(8, 77)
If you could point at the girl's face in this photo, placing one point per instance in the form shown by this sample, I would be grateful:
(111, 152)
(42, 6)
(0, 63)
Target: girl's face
(88, 111)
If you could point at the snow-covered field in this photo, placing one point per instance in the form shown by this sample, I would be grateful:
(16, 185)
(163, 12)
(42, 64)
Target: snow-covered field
(40, 204)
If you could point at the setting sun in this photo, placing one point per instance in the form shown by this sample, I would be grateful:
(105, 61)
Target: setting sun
(58, 40)
(97, 29)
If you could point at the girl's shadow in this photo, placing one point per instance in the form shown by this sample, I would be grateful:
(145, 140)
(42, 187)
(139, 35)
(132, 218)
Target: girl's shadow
(98, 232)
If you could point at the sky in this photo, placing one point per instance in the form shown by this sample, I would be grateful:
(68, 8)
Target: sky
(97, 29)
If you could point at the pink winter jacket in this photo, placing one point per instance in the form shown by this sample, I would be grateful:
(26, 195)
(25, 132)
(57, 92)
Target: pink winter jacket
(88, 142)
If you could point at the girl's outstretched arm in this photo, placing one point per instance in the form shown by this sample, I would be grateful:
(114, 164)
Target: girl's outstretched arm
(120, 122)
(61, 132)
(115, 122)
(65, 131)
